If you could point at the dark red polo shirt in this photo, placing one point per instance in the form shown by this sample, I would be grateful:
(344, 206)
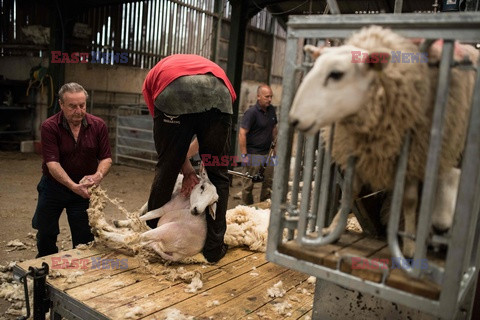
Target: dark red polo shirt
(76, 158)
(175, 66)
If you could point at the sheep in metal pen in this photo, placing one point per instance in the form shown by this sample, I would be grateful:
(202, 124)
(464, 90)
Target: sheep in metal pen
(374, 102)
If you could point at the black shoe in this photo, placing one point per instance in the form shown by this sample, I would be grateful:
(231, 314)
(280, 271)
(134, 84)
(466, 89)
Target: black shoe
(214, 256)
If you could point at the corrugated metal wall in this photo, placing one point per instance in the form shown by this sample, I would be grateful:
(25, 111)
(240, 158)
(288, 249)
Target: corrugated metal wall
(151, 30)
(15, 19)
(144, 31)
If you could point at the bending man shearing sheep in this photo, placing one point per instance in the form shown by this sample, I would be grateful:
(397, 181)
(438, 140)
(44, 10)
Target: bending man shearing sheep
(189, 95)
(375, 103)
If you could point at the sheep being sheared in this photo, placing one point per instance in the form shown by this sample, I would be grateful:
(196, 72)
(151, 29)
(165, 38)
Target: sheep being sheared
(374, 105)
(182, 228)
(204, 197)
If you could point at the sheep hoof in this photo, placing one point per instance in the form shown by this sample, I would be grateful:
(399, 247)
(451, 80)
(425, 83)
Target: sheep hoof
(327, 231)
(408, 248)
(107, 228)
(441, 229)
(97, 232)
(122, 223)
(442, 222)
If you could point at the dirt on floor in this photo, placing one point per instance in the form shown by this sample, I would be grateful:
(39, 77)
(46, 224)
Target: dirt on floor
(19, 176)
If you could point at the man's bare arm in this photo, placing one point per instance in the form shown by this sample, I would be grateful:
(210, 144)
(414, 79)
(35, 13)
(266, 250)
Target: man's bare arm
(59, 174)
(102, 170)
(190, 178)
(242, 140)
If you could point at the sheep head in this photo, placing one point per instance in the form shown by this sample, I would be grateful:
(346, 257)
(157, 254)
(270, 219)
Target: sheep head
(336, 87)
(204, 195)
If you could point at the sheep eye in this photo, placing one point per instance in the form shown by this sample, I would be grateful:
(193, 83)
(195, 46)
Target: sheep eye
(335, 75)
(202, 187)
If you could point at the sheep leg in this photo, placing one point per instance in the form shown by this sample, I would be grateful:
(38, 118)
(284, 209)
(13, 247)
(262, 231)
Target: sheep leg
(102, 224)
(333, 225)
(143, 209)
(176, 203)
(410, 204)
(119, 238)
(113, 236)
(122, 223)
(157, 213)
(356, 187)
(445, 200)
(127, 223)
(163, 240)
(158, 249)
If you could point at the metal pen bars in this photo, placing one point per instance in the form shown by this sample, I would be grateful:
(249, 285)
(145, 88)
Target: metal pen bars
(134, 136)
(300, 218)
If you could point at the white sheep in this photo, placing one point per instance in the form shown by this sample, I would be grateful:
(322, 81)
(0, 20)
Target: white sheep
(205, 196)
(182, 228)
(374, 105)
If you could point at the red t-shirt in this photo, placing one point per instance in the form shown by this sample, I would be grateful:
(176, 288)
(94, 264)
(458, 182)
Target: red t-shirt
(175, 66)
(80, 158)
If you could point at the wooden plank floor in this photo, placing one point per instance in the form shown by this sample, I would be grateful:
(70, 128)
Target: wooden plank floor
(360, 245)
(234, 288)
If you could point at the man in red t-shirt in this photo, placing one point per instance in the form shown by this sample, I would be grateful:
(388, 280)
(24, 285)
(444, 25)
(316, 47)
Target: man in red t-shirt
(188, 96)
(76, 155)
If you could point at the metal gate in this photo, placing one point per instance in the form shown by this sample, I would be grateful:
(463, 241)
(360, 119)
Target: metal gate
(134, 143)
(453, 278)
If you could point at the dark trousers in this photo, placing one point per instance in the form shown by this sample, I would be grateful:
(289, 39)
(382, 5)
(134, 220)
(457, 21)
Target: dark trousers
(256, 162)
(52, 199)
(172, 137)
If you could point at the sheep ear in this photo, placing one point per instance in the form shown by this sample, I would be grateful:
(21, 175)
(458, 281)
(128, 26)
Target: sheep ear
(313, 51)
(378, 59)
(202, 172)
(212, 210)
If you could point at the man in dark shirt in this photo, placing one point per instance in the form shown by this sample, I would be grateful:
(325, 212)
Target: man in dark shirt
(76, 155)
(257, 131)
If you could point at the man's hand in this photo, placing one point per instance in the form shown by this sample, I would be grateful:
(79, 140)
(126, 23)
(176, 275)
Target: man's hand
(82, 188)
(95, 179)
(190, 180)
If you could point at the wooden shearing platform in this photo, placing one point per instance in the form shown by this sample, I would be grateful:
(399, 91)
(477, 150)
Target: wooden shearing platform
(117, 286)
(352, 244)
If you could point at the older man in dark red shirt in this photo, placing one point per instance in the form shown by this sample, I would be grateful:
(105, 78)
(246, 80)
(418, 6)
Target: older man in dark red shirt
(76, 155)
